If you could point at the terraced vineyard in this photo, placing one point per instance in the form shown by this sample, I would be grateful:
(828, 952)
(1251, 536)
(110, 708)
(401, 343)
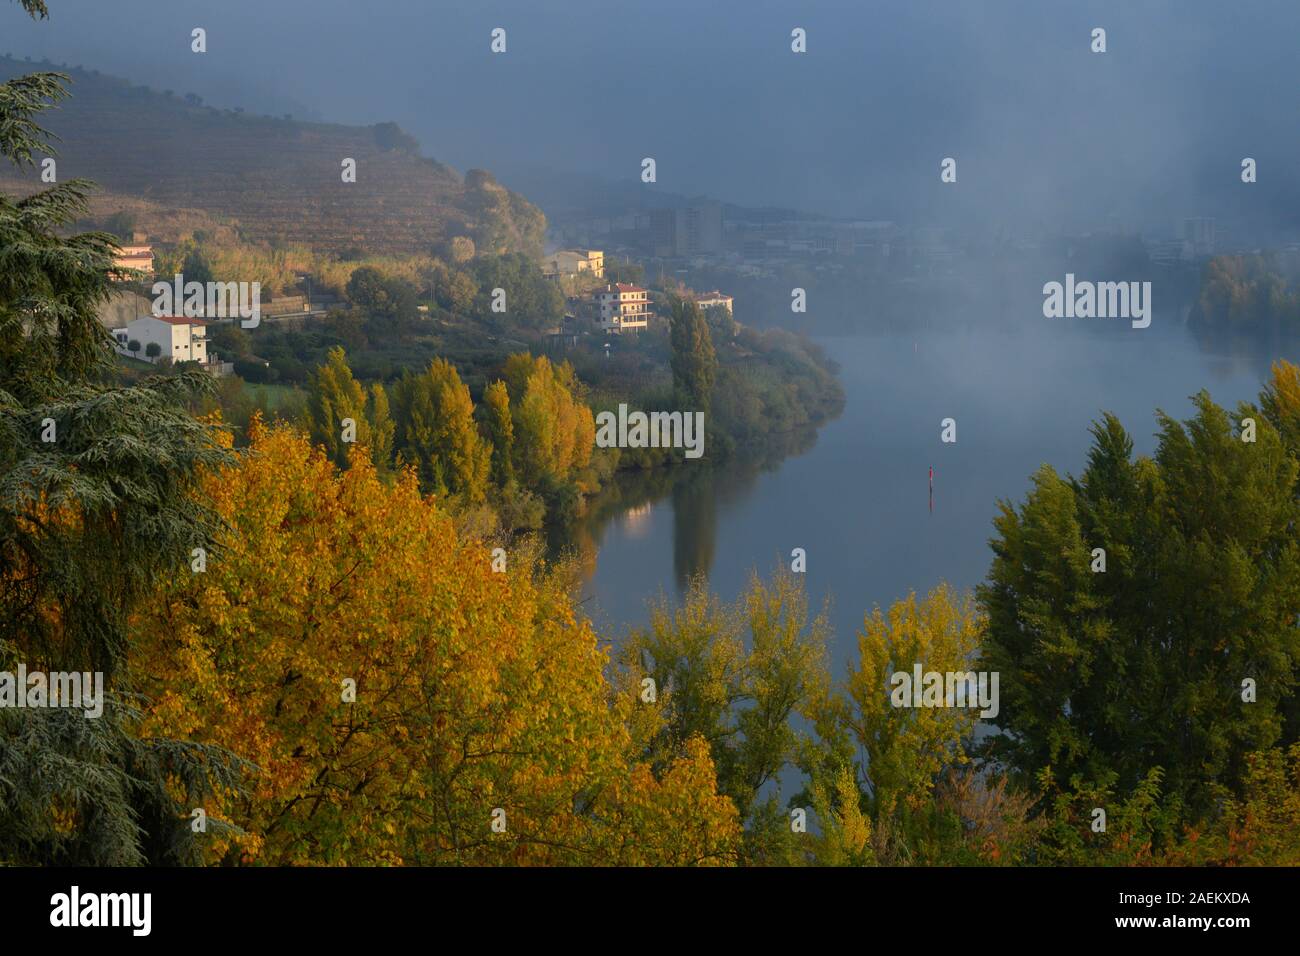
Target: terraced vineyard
(280, 180)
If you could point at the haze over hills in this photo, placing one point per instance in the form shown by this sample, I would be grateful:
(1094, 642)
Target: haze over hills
(1048, 135)
(278, 179)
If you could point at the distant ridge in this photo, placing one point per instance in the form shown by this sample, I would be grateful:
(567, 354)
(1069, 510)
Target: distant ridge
(279, 179)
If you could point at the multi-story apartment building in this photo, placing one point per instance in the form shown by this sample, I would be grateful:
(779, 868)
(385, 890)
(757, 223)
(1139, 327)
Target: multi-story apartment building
(688, 231)
(621, 306)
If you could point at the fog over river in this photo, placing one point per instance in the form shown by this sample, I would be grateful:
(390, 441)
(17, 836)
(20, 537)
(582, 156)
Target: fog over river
(857, 499)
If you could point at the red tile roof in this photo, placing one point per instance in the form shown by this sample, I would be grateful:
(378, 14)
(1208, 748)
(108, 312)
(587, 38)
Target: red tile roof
(179, 320)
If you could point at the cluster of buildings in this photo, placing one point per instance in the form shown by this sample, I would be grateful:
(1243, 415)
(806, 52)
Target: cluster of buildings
(616, 307)
(622, 307)
(763, 243)
(130, 316)
(149, 337)
(619, 307)
(751, 242)
(1199, 238)
(143, 336)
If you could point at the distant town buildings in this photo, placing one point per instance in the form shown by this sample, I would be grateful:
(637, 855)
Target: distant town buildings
(688, 231)
(572, 262)
(1199, 235)
(1197, 238)
(620, 307)
(770, 239)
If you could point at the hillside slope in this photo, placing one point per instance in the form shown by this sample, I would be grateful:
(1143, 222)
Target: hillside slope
(280, 180)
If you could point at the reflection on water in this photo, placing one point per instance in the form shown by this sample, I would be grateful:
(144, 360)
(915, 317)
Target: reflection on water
(695, 525)
(692, 494)
(1232, 354)
(855, 495)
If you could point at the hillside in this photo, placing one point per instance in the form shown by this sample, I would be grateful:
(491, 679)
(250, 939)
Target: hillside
(277, 179)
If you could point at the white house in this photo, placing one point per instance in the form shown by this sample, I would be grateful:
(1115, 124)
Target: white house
(621, 306)
(179, 338)
(571, 262)
(714, 299)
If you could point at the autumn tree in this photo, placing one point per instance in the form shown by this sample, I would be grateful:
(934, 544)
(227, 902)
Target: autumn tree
(905, 747)
(501, 432)
(554, 429)
(336, 408)
(735, 677)
(844, 838)
(435, 697)
(1280, 403)
(435, 432)
(382, 427)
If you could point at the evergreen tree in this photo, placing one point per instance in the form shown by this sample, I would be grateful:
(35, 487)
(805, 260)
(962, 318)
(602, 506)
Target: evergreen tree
(694, 362)
(96, 504)
(1106, 675)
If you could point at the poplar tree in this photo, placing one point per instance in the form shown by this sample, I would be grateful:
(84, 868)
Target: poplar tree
(381, 427)
(96, 505)
(694, 362)
(501, 431)
(436, 432)
(334, 398)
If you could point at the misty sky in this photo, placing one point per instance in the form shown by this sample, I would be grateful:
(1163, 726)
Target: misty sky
(1045, 132)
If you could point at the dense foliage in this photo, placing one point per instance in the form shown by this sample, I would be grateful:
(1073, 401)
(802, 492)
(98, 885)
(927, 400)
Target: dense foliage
(314, 654)
(1253, 294)
(96, 505)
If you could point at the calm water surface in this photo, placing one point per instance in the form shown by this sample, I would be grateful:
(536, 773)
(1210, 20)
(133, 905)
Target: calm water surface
(856, 498)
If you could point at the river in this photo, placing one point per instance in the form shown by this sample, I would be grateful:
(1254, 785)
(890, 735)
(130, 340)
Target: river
(855, 496)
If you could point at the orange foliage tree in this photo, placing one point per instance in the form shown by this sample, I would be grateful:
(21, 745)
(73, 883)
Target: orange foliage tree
(481, 729)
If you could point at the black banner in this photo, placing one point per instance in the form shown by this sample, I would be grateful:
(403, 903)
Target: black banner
(334, 906)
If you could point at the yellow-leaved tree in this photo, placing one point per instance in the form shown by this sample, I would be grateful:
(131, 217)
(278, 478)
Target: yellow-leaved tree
(404, 700)
(907, 747)
(554, 430)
